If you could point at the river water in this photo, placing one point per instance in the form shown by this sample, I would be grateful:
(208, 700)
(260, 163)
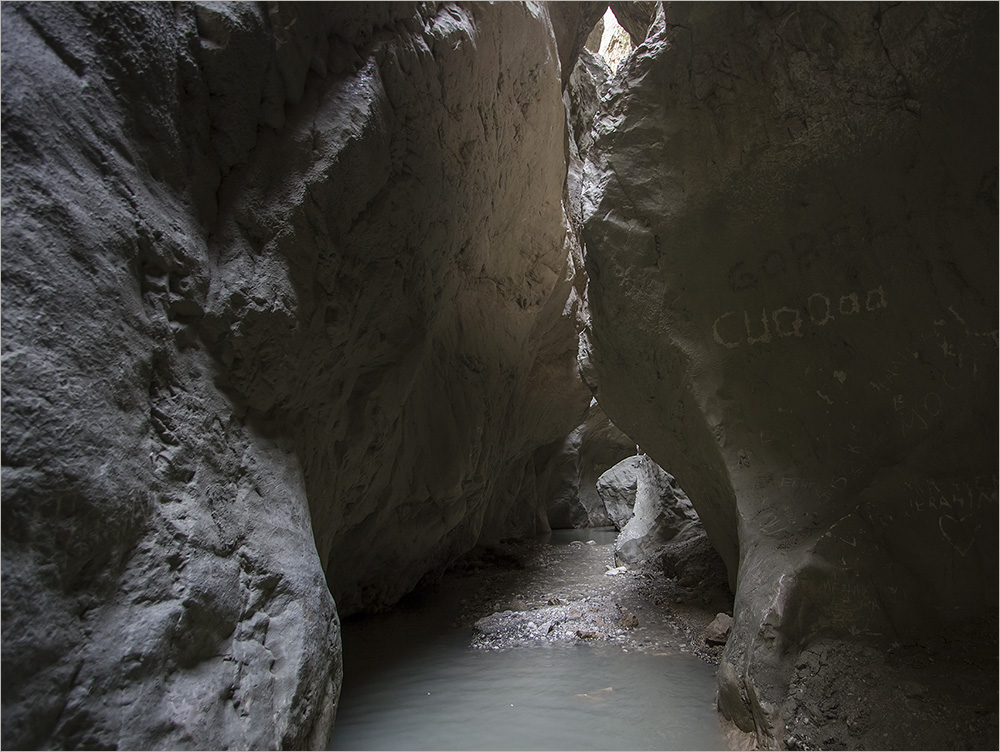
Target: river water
(413, 681)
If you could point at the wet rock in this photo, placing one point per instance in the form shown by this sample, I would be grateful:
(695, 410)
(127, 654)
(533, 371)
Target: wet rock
(598, 694)
(587, 634)
(518, 605)
(491, 624)
(717, 633)
(599, 606)
(629, 621)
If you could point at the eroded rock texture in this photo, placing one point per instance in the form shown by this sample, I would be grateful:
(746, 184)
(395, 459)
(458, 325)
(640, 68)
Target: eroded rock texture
(288, 302)
(635, 18)
(791, 238)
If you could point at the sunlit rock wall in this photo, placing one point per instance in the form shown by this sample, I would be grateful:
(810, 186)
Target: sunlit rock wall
(287, 301)
(791, 242)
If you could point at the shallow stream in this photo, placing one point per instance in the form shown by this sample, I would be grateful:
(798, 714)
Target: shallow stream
(412, 680)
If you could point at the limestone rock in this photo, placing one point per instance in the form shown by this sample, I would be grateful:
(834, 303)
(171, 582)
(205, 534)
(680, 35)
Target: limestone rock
(602, 446)
(593, 42)
(662, 515)
(791, 233)
(573, 24)
(659, 526)
(289, 308)
(616, 44)
(635, 18)
(693, 561)
(562, 504)
(591, 449)
(587, 86)
(617, 489)
(717, 632)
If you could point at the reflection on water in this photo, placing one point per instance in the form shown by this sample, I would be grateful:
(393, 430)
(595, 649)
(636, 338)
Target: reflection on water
(411, 681)
(600, 535)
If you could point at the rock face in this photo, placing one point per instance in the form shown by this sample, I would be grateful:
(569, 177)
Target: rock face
(617, 488)
(659, 527)
(591, 449)
(692, 560)
(602, 446)
(791, 242)
(662, 515)
(635, 17)
(288, 309)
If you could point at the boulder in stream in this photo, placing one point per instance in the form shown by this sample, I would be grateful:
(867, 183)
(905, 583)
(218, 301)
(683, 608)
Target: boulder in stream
(650, 510)
(617, 488)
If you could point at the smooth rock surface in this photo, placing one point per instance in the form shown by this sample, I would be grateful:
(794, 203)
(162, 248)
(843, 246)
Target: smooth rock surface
(591, 449)
(617, 488)
(289, 308)
(693, 561)
(602, 446)
(659, 528)
(791, 243)
(662, 517)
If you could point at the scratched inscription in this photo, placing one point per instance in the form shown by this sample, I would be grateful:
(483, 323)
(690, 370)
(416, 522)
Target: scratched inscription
(735, 328)
(798, 254)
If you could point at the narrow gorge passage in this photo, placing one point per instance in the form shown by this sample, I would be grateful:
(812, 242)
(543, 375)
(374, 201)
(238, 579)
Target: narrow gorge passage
(523, 646)
(303, 303)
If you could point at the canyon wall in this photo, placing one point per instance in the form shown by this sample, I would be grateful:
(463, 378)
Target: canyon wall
(289, 306)
(791, 242)
(571, 496)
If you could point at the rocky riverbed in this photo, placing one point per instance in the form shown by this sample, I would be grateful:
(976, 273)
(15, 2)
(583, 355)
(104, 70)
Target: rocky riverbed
(567, 588)
(522, 592)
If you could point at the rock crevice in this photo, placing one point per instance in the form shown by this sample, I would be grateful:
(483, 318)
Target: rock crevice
(291, 303)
